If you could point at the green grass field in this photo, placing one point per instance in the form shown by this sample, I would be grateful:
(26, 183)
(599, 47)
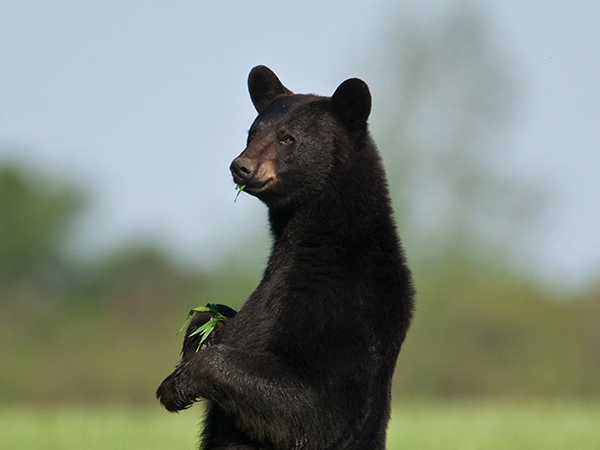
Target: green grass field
(420, 426)
(501, 425)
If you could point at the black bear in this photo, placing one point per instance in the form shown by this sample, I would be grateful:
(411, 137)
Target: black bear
(307, 362)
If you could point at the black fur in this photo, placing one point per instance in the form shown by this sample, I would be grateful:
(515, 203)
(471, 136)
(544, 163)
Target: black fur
(307, 363)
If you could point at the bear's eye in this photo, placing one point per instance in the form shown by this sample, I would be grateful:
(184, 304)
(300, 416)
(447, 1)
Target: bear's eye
(287, 140)
(250, 137)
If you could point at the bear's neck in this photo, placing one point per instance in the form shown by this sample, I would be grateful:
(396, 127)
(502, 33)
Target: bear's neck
(352, 220)
(333, 220)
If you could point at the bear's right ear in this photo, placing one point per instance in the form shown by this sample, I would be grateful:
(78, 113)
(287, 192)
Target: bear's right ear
(264, 87)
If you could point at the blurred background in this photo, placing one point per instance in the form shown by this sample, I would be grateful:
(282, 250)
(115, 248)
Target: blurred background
(118, 122)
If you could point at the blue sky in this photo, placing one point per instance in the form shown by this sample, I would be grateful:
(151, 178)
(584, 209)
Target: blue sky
(144, 103)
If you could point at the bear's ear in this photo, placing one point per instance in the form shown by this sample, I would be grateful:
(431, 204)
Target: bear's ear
(351, 102)
(264, 87)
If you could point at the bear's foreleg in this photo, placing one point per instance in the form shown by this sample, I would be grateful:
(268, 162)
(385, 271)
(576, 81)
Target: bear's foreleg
(269, 399)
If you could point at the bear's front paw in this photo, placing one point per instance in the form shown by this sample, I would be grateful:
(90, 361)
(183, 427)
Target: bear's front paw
(171, 394)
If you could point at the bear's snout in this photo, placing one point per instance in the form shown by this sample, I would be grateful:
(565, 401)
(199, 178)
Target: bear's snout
(242, 169)
(255, 175)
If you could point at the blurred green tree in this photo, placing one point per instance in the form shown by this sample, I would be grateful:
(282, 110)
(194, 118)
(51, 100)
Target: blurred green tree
(36, 216)
(447, 95)
(484, 326)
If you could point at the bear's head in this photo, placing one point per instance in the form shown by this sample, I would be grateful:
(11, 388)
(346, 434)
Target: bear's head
(299, 143)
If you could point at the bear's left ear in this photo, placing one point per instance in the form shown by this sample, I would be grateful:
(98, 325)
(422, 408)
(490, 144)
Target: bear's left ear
(351, 102)
(264, 87)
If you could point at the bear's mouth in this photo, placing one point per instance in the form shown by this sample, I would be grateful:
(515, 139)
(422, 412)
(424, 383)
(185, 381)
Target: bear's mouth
(257, 187)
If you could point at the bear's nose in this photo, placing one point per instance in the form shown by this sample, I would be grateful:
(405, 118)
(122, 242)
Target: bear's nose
(242, 169)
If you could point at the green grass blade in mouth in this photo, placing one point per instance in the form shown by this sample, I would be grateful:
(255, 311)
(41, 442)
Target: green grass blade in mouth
(239, 188)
